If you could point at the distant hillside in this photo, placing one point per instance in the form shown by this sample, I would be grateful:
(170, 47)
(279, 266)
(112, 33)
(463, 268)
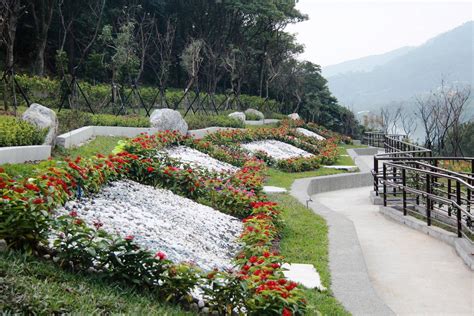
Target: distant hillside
(420, 69)
(364, 64)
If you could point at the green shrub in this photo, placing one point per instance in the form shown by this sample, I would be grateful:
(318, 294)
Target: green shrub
(252, 117)
(113, 120)
(15, 132)
(198, 121)
(73, 119)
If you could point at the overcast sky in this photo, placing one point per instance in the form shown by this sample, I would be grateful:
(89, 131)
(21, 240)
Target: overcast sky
(340, 30)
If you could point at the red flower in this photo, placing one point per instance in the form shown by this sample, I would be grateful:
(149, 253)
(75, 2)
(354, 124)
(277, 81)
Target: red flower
(78, 221)
(253, 259)
(160, 255)
(129, 237)
(73, 214)
(38, 201)
(150, 169)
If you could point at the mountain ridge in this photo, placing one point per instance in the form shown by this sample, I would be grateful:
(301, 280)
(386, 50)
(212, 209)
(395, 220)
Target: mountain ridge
(447, 56)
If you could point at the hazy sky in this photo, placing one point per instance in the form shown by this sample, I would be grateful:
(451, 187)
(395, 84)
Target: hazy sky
(340, 30)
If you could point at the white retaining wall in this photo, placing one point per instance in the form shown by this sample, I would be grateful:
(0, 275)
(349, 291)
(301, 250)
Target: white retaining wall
(21, 154)
(79, 136)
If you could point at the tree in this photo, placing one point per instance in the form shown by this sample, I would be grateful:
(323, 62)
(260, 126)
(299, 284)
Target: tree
(42, 13)
(441, 113)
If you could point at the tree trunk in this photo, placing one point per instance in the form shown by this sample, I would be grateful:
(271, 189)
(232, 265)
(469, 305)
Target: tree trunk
(42, 13)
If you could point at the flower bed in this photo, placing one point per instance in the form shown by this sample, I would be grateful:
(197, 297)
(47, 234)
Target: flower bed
(162, 221)
(257, 285)
(276, 149)
(197, 159)
(324, 152)
(318, 129)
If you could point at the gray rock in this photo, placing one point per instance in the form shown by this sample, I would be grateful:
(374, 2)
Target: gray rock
(294, 116)
(194, 307)
(3, 245)
(168, 119)
(238, 116)
(42, 117)
(255, 112)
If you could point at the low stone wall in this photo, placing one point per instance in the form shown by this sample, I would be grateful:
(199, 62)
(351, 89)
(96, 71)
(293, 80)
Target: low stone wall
(79, 136)
(339, 182)
(369, 151)
(21, 154)
(262, 122)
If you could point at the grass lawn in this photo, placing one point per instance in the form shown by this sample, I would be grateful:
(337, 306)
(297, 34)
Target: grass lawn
(285, 179)
(101, 144)
(305, 240)
(30, 285)
(305, 235)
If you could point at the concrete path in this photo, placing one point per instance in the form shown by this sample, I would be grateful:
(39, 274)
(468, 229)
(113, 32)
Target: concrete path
(413, 273)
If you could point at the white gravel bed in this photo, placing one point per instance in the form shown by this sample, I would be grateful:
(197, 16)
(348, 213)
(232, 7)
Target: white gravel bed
(276, 149)
(309, 133)
(160, 220)
(198, 159)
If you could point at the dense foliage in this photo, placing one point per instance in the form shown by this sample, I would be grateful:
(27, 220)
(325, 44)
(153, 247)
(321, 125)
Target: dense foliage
(213, 47)
(15, 132)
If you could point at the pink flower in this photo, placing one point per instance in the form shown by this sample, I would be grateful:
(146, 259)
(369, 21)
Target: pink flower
(98, 224)
(160, 255)
(129, 238)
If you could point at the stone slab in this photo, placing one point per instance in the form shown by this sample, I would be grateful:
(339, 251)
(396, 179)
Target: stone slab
(272, 189)
(305, 274)
(348, 168)
(21, 154)
(262, 122)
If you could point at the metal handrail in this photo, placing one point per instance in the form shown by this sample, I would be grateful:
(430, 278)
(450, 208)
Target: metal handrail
(401, 157)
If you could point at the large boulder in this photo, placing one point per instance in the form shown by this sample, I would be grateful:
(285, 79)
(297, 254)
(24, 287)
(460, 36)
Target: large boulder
(255, 113)
(238, 116)
(168, 119)
(294, 116)
(43, 117)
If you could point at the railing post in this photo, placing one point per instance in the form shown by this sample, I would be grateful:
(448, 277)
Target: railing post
(428, 200)
(404, 183)
(384, 185)
(449, 196)
(376, 173)
(458, 211)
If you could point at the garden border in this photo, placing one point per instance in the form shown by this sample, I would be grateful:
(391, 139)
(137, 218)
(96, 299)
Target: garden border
(21, 154)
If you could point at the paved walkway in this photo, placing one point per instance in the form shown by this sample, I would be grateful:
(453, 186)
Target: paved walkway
(380, 267)
(413, 273)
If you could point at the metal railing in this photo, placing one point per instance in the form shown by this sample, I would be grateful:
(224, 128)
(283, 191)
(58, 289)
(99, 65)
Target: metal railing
(410, 179)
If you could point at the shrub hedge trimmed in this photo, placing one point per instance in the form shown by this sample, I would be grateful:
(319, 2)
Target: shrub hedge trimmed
(16, 132)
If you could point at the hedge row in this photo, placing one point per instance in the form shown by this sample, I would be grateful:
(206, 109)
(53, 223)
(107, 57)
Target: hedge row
(16, 132)
(49, 91)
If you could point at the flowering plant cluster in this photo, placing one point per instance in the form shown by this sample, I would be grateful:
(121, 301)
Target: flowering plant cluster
(257, 287)
(325, 152)
(318, 129)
